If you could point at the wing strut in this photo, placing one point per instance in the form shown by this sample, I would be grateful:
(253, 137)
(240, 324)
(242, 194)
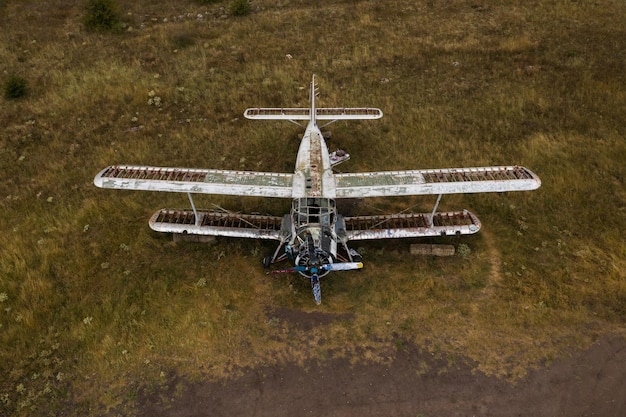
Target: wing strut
(432, 214)
(198, 221)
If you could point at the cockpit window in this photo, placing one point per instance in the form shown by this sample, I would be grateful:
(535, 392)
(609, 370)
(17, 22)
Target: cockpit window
(313, 211)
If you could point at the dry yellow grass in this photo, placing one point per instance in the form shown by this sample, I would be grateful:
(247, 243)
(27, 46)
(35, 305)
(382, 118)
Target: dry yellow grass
(90, 297)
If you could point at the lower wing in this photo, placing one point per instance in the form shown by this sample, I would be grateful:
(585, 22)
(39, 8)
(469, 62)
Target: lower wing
(394, 226)
(217, 223)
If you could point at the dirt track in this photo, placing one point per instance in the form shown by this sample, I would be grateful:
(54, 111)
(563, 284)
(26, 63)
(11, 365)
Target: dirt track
(589, 383)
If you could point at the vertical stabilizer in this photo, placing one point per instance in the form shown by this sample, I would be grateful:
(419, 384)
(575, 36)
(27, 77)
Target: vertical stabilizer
(313, 111)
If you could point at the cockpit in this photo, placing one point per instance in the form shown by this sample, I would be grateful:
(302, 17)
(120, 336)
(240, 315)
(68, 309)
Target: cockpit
(317, 211)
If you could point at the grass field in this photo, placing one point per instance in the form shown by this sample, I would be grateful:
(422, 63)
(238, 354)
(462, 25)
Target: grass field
(91, 298)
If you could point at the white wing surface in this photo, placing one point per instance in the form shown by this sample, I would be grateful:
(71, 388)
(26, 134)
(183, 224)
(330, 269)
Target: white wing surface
(214, 223)
(405, 225)
(435, 181)
(201, 181)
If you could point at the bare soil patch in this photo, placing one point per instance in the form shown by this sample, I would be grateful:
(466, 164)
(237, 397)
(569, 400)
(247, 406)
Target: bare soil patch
(587, 383)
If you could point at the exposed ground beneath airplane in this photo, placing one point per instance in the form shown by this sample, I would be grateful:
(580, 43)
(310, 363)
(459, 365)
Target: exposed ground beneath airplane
(413, 383)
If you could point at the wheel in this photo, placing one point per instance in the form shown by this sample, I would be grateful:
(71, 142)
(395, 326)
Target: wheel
(267, 261)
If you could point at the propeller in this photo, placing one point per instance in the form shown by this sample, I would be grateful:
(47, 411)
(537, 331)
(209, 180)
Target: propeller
(317, 290)
(340, 266)
(315, 279)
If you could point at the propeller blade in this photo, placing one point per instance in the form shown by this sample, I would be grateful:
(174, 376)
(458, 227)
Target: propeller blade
(288, 270)
(317, 290)
(342, 266)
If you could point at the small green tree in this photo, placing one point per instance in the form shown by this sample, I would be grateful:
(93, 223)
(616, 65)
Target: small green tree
(240, 7)
(101, 15)
(15, 87)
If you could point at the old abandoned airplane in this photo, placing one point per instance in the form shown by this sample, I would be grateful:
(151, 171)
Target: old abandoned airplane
(313, 235)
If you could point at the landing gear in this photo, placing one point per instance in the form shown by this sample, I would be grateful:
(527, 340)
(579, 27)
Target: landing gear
(267, 261)
(355, 256)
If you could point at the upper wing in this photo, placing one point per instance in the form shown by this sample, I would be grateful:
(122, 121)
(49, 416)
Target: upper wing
(436, 181)
(203, 181)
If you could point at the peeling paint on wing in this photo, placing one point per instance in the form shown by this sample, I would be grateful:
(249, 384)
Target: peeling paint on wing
(202, 181)
(407, 225)
(372, 179)
(443, 181)
(217, 223)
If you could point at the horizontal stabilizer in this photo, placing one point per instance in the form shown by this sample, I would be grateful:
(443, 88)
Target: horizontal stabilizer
(435, 181)
(201, 181)
(217, 223)
(407, 225)
(338, 113)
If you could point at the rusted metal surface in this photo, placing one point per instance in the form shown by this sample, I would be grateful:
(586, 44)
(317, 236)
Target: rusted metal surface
(313, 174)
(203, 181)
(406, 225)
(334, 113)
(217, 223)
(313, 171)
(505, 173)
(440, 181)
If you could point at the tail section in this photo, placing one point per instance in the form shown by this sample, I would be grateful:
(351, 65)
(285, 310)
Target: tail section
(313, 114)
(313, 111)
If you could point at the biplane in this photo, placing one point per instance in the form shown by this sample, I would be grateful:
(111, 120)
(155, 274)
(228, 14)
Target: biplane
(314, 236)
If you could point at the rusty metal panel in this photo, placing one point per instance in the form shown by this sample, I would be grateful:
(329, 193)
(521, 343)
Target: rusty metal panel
(394, 226)
(277, 113)
(217, 223)
(321, 113)
(202, 181)
(440, 181)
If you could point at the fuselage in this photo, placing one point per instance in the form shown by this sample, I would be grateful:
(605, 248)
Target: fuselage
(313, 212)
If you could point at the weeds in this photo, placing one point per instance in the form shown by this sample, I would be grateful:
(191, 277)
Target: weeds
(90, 297)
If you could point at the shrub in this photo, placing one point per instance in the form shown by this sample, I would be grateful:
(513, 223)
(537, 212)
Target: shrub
(240, 7)
(15, 87)
(182, 40)
(463, 250)
(101, 15)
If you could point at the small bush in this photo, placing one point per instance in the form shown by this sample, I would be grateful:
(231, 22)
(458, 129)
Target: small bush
(182, 40)
(463, 250)
(15, 87)
(101, 15)
(240, 7)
